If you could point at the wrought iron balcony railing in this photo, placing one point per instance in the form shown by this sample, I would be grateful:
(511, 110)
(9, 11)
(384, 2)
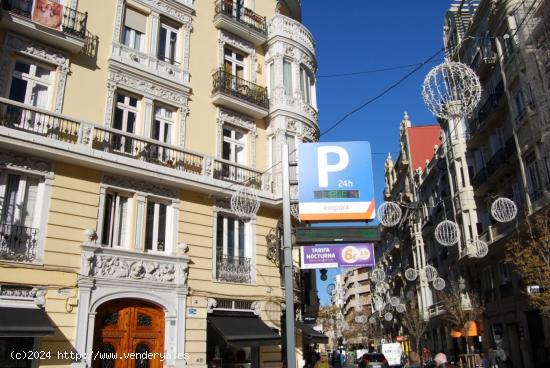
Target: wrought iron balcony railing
(18, 243)
(233, 269)
(29, 119)
(235, 86)
(241, 14)
(73, 23)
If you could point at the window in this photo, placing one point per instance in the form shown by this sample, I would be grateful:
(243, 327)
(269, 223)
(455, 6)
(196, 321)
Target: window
(168, 40)
(287, 77)
(30, 84)
(505, 274)
(306, 85)
(155, 226)
(230, 236)
(234, 62)
(124, 120)
(115, 220)
(11, 347)
(534, 178)
(496, 140)
(519, 105)
(133, 34)
(19, 222)
(233, 251)
(163, 125)
(234, 145)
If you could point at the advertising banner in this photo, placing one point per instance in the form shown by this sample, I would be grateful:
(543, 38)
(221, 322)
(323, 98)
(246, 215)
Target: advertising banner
(337, 255)
(336, 182)
(49, 13)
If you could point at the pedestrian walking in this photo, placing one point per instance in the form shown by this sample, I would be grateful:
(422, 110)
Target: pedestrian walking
(413, 360)
(441, 361)
(322, 362)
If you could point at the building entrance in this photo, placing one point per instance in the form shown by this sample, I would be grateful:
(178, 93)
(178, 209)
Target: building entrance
(123, 327)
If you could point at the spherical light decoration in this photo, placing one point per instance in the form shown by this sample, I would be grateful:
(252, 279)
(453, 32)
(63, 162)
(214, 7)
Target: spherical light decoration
(378, 275)
(372, 320)
(244, 202)
(447, 233)
(401, 308)
(451, 90)
(389, 214)
(394, 301)
(388, 316)
(379, 305)
(479, 248)
(431, 273)
(382, 287)
(439, 284)
(339, 324)
(411, 274)
(504, 210)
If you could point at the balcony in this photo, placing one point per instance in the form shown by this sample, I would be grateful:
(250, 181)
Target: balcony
(168, 69)
(124, 150)
(233, 269)
(240, 21)
(479, 178)
(67, 32)
(496, 161)
(282, 26)
(238, 94)
(18, 243)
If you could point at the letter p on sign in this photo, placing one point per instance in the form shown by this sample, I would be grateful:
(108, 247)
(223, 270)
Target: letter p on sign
(323, 167)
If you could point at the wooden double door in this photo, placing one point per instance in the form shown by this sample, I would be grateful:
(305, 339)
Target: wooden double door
(128, 334)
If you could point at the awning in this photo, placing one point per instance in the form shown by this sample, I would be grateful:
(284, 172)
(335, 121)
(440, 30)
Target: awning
(311, 334)
(24, 322)
(244, 330)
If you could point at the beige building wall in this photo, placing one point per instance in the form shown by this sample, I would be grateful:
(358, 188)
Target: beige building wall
(81, 92)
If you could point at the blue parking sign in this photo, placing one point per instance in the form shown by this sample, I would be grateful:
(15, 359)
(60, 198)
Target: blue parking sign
(336, 181)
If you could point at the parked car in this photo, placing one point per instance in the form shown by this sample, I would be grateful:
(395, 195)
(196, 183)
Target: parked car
(373, 360)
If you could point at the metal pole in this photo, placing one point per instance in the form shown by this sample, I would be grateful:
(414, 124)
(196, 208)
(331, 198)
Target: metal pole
(287, 248)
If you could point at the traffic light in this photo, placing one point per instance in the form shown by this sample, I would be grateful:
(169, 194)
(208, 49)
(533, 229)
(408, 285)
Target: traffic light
(323, 274)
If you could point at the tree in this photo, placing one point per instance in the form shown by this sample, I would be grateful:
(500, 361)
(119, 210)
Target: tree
(529, 253)
(414, 322)
(461, 307)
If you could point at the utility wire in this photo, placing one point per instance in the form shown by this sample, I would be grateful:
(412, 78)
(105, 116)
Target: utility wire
(337, 75)
(381, 94)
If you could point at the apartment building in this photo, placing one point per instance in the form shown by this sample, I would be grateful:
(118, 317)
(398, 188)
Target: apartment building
(500, 150)
(126, 126)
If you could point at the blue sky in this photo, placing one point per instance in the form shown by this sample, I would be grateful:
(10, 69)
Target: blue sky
(359, 35)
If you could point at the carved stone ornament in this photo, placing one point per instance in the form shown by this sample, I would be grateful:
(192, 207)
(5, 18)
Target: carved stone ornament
(16, 291)
(170, 9)
(115, 267)
(211, 304)
(238, 43)
(222, 204)
(14, 160)
(257, 308)
(146, 88)
(15, 44)
(139, 186)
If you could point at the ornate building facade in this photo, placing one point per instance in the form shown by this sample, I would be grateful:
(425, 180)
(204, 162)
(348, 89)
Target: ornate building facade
(126, 126)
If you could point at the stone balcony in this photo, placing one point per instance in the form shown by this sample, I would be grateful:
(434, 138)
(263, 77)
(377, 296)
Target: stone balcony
(69, 34)
(60, 137)
(281, 26)
(171, 70)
